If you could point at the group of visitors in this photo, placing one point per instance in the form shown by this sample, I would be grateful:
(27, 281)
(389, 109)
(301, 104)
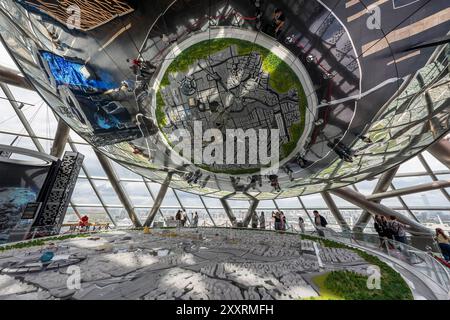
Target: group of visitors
(279, 220)
(389, 229)
(182, 218)
(261, 220)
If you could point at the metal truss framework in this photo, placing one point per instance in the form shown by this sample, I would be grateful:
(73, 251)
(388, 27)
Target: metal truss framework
(440, 150)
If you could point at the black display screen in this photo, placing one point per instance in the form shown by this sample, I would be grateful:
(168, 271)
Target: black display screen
(19, 186)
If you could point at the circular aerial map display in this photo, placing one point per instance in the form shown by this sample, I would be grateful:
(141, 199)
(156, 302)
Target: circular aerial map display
(245, 93)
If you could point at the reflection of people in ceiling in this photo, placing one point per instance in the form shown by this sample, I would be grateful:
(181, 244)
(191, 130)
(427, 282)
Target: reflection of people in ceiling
(278, 21)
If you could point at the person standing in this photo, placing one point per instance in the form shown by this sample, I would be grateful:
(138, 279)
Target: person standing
(183, 218)
(319, 220)
(387, 232)
(262, 221)
(320, 223)
(277, 220)
(444, 243)
(195, 219)
(283, 221)
(378, 226)
(178, 218)
(398, 230)
(254, 220)
(301, 224)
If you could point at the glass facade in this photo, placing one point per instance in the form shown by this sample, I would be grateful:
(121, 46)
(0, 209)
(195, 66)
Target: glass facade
(95, 196)
(408, 124)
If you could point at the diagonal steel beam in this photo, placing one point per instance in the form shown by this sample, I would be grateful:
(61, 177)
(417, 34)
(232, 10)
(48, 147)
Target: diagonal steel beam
(14, 78)
(409, 190)
(441, 151)
(251, 210)
(207, 210)
(382, 186)
(360, 200)
(228, 210)
(60, 140)
(159, 199)
(335, 211)
(114, 180)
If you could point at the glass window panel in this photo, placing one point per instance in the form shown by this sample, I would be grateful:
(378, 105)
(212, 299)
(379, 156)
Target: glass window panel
(107, 192)
(341, 203)
(91, 161)
(434, 218)
(292, 220)
(240, 213)
(6, 59)
(367, 187)
(212, 202)
(7, 139)
(220, 217)
(169, 200)
(444, 177)
(238, 204)
(25, 143)
(411, 166)
(138, 193)
(27, 96)
(314, 201)
(70, 216)
(120, 216)
(124, 173)
(154, 187)
(142, 213)
(266, 204)
(405, 182)
(428, 200)
(9, 121)
(203, 217)
(47, 145)
(41, 119)
(288, 203)
(351, 216)
(392, 203)
(83, 194)
(95, 214)
(189, 200)
(76, 138)
(434, 164)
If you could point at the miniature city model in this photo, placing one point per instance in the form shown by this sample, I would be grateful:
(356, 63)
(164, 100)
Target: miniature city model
(204, 263)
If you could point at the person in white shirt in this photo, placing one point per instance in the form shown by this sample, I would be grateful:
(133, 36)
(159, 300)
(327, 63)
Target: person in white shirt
(301, 224)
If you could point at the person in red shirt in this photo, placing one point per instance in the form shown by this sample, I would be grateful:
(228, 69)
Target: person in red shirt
(84, 223)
